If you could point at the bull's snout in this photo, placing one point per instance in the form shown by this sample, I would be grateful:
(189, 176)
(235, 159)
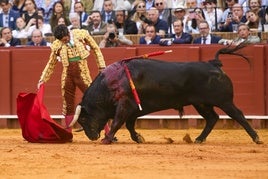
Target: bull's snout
(92, 134)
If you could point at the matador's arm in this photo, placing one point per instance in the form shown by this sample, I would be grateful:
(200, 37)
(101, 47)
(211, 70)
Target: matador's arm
(93, 45)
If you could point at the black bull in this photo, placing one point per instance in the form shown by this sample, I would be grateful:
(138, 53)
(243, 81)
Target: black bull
(160, 85)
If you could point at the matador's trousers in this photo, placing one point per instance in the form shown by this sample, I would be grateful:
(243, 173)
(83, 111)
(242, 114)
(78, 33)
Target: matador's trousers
(75, 77)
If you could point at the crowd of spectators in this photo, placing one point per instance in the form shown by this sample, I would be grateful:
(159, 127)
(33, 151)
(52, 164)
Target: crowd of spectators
(174, 20)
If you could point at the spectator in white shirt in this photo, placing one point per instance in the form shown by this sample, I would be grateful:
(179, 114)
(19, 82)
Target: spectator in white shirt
(22, 30)
(39, 24)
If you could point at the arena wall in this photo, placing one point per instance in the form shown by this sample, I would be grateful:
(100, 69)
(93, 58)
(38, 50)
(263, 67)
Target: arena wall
(21, 67)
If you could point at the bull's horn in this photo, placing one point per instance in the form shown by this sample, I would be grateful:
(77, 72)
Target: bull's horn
(76, 115)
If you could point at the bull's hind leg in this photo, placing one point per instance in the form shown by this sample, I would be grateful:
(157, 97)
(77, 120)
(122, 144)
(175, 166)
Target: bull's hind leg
(211, 118)
(130, 124)
(232, 111)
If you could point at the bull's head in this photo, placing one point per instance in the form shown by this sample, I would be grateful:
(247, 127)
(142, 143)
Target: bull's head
(91, 125)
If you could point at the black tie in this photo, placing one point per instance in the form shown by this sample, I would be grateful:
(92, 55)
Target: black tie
(204, 40)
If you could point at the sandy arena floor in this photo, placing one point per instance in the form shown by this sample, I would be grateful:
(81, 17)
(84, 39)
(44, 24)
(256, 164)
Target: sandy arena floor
(226, 154)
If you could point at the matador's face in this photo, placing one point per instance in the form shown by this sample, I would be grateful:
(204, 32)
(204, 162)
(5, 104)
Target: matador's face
(65, 39)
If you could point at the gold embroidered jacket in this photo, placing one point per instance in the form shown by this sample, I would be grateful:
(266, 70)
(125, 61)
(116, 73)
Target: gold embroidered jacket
(81, 38)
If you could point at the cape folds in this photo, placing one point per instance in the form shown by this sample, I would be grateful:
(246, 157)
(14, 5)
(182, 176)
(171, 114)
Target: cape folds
(35, 121)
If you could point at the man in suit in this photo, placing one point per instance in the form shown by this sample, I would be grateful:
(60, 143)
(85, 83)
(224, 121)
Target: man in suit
(69, 5)
(8, 16)
(95, 24)
(108, 13)
(206, 37)
(80, 9)
(6, 38)
(150, 36)
(37, 39)
(243, 35)
(180, 37)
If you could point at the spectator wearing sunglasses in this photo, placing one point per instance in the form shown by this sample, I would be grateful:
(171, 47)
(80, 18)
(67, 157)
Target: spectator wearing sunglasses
(148, 4)
(164, 12)
(138, 15)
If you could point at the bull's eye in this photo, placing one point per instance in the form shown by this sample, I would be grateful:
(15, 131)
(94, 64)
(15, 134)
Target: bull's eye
(82, 119)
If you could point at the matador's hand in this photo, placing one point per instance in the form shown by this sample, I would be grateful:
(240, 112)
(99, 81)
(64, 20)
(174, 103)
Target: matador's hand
(39, 84)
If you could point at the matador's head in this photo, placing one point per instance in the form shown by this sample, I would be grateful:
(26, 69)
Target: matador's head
(62, 33)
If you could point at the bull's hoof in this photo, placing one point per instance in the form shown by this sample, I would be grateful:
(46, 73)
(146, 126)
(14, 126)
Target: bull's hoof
(140, 139)
(106, 141)
(199, 141)
(257, 141)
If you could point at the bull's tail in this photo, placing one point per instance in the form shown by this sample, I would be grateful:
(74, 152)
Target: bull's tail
(231, 51)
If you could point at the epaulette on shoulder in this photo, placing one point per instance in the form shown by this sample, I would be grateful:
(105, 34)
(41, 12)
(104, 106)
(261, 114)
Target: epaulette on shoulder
(56, 45)
(81, 32)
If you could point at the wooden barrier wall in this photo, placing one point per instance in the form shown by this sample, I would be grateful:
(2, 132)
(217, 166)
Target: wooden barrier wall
(20, 69)
(136, 37)
(5, 76)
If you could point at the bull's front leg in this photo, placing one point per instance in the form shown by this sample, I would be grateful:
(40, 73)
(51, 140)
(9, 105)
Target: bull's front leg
(110, 135)
(130, 124)
(120, 117)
